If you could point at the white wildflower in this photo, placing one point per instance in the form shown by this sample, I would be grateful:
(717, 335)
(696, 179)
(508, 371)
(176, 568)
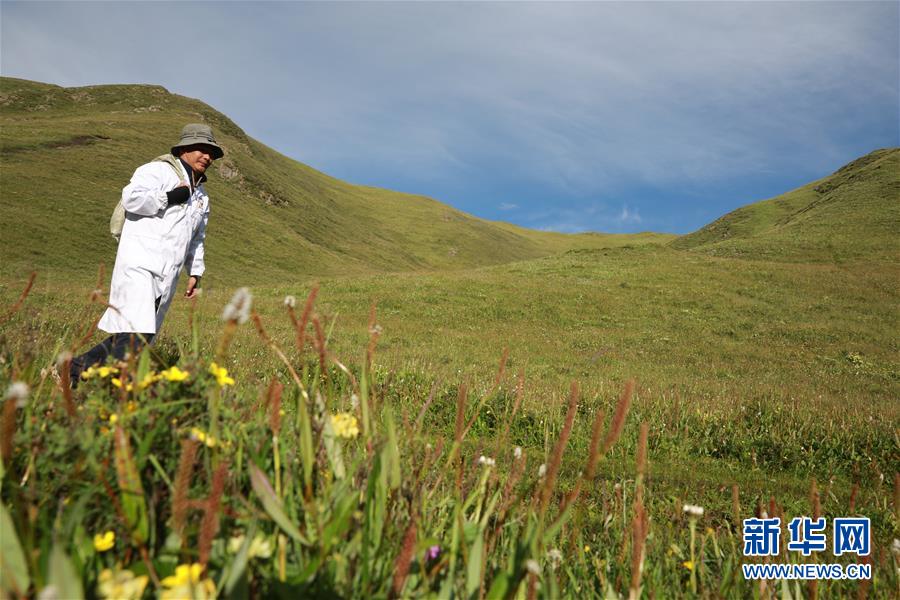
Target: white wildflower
(542, 470)
(895, 547)
(239, 307)
(484, 460)
(693, 510)
(518, 452)
(375, 330)
(555, 557)
(260, 547)
(63, 358)
(290, 301)
(50, 592)
(18, 391)
(532, 566)
(354, 401)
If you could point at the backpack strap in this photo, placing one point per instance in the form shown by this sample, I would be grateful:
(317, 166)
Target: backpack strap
(117, 220)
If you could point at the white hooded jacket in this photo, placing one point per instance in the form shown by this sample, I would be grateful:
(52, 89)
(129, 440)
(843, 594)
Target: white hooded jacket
(157, 241)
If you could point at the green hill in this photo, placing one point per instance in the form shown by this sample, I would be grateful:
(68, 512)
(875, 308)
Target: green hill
(67, 152)
(852, 214)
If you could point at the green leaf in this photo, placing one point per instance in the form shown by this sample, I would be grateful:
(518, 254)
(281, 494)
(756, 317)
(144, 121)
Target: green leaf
(333, 450)
(500, 587)
(340, 521)
(392, 449)
(143, 366)
(13, 570)
(473, 569)
(62, 575)
(132, 492)
(272, 504)
(239, 565)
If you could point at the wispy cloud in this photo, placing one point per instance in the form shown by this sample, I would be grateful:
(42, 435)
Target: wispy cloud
(627, 217)
(673, 105)
(508, 206)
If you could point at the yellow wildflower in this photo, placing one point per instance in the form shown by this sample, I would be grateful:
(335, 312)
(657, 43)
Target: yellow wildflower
(344, 425)
(587, 549)
(201, 436)
(121, 585)
(131, 406)
(148, 380)
(104, 541)
(105, 372)
(221, 375)
(689, 565)
(113, 418)
(186, 583)
(173, 373)
(101, 372)
(118, 383)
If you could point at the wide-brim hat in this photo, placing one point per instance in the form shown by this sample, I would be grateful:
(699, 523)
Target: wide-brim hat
(198, 133)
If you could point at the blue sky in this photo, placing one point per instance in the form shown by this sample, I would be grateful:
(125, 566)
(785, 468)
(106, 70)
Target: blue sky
(617, 117)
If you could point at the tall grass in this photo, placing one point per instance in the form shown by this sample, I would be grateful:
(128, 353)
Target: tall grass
(318, 483)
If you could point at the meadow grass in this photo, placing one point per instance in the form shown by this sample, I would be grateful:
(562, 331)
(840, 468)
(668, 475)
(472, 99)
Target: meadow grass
(744, 375)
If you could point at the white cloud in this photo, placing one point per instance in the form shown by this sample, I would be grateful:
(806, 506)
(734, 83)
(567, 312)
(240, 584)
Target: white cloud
(580, 99)
(629, 216)
(508, 206)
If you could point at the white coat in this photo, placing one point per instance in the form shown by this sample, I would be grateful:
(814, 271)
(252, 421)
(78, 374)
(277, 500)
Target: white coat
(157, 241)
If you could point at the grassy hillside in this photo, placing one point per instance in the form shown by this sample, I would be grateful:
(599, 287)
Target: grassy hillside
(67, 152)
(851, 214)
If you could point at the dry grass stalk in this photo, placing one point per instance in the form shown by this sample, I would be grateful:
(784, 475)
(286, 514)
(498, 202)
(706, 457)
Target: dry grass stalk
(814, 500)
(594, 448)
(66, 380)
(853, 493)
(503, 439)
(15, 307)
(461, 396)
(502, 368)
(641, 462)
(180, 500)
(459, 433)
(639, 530)
(532, 586)
(320, 346)
(304, 318)
(8, 429)
(862, 591)
(374, 333)
(274, 400)
(404, 559)
(421, 418)
(736, 507)
(897, 495)
(518, 469)
(209, 527)
(556, 458)
(618, 420)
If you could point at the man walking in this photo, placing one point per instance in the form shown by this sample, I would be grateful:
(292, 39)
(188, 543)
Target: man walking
(165, 214)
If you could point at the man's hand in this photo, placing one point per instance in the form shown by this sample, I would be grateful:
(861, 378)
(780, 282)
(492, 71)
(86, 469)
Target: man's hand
(192, 288)
(179, 195)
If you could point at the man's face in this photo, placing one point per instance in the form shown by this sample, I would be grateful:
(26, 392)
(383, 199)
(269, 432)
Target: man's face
(198, 157)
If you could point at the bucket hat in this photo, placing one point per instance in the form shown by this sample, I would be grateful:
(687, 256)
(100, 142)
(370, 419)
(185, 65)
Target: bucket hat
(198, 133)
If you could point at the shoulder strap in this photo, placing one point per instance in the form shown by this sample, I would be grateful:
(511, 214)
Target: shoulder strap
(172, 161)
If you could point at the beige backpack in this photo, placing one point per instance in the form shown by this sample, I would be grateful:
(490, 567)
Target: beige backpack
(117, 220)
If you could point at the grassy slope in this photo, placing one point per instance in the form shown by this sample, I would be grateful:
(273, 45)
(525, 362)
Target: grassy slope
(67, 152)
(748, 348)
(852, 214)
